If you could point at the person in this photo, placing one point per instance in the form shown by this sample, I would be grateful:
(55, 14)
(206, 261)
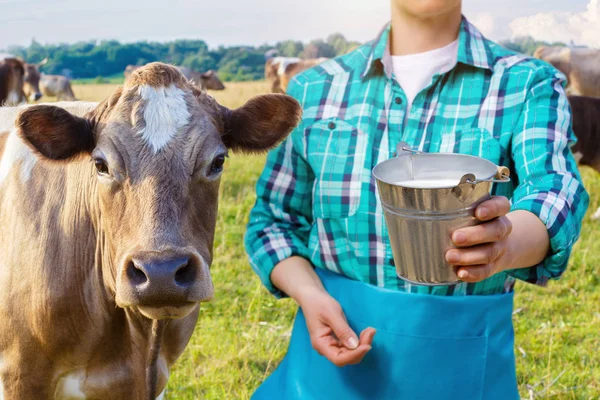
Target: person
(317, 232)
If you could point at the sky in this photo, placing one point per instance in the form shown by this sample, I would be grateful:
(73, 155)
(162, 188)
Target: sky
(254, 22)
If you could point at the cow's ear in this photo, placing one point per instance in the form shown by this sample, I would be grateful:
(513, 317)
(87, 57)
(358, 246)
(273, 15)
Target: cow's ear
(54, 132)
(262, 123)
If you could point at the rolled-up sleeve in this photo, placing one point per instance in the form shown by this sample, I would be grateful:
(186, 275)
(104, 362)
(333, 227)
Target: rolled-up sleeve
(280, 222)
(549, 184)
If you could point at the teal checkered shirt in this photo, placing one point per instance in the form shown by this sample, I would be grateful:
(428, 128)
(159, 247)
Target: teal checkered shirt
(317, 198)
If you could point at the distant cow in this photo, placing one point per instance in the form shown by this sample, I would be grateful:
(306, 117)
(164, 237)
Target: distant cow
(31, 86)
(108, 220)
(12, 76)
(129, 70)
(205, 80)
(586, 126)
(581, 66)
(280, 70)
(57, 86)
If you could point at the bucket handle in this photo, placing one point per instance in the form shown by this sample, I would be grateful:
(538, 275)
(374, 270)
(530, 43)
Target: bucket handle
(402, 148)
(502, 176)
(468, 181)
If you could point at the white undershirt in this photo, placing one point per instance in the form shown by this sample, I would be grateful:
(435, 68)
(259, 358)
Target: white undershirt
(414, 71)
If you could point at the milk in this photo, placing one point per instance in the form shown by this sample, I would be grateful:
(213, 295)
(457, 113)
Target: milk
(428, 183)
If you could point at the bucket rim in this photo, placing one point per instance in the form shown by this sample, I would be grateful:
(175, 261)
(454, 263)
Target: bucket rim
(380, 165)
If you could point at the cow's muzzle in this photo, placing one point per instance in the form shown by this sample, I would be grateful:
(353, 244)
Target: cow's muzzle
(163, 284)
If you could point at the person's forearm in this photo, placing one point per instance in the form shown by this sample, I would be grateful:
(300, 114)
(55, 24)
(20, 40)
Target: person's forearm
(528, 242)
(296, 277)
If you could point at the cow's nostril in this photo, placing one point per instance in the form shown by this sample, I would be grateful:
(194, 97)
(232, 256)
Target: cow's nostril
(186, 274)
(136, 275)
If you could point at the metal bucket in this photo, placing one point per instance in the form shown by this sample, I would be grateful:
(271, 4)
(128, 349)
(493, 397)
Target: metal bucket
(421, 219)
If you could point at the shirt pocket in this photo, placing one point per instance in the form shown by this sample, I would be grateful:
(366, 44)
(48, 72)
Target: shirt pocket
(479, 142)
(336, 152)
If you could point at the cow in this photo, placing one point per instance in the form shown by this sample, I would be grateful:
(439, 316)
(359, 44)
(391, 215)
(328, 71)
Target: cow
(107, 219)
(57, 86)
(129, 70)
(31, 80)
(205, 80)
(12, 73)
(586, 127)
(581, 67)
(280, 70)
(31, 85)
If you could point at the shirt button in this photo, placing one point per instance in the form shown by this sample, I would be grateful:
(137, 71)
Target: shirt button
(398, 100)
(331, 125)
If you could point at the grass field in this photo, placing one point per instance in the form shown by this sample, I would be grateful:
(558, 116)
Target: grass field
(243, 333)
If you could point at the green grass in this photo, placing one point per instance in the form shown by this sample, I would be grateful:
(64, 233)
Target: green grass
(116, 79)
(242, 334)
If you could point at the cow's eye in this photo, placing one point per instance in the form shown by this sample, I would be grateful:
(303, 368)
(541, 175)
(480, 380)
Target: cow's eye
(101, 166)
(217, 164)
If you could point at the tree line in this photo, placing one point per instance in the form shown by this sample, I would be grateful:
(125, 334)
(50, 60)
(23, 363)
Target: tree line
(108, 58)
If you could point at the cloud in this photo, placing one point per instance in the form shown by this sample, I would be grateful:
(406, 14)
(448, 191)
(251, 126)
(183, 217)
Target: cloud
(583, 28)
(485, 22)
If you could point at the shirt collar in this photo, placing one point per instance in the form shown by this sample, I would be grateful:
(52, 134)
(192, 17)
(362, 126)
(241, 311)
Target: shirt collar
(473, 50)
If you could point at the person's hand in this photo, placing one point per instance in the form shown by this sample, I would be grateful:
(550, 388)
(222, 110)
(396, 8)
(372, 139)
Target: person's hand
(330, 334)
(483, 250)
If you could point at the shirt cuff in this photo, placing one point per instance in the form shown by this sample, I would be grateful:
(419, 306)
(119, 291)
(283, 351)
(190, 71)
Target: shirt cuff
(264, 260)
(555, 263)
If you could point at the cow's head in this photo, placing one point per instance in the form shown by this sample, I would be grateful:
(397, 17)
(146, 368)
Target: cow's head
(211, 81)
(157, 148)
(32, 80)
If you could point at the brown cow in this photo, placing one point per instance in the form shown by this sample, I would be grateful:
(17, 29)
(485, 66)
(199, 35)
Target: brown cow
(204, 80)
(586, 126)
(31, 87)
(107, 226)
(129, 70)
(57, 86)
(12, 72)
(581, 67)
(280, 70)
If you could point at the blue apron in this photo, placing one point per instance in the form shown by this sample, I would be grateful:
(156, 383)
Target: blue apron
(426, 348)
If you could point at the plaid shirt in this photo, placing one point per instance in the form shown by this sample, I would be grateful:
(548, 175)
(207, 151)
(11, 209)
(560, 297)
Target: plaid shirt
(318, 199)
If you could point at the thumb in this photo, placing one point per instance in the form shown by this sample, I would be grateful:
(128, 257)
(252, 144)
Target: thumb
(342, 330)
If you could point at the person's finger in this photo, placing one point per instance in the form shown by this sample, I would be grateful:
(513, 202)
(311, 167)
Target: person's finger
(341, 356)
(475, 273)
(366, 336)
(337, 322)
(495, 207)
(477, 255)
(323, 344)
(488, 232)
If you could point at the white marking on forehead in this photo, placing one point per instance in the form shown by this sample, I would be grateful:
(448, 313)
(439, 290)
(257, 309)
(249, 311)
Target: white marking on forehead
(69, 387)
(165, 112)
(14, 151)
(161, 396)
